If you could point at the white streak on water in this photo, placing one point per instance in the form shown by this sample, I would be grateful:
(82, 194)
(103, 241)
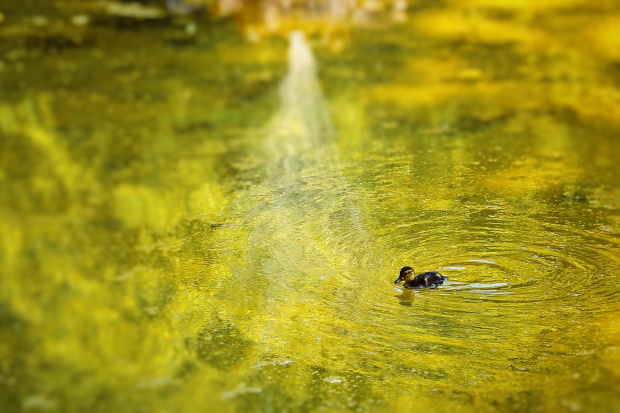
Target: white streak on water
(482, 261)
(302, 123)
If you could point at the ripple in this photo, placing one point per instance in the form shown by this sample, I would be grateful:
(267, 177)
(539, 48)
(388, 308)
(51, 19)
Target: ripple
(507, 267)
(328, 247)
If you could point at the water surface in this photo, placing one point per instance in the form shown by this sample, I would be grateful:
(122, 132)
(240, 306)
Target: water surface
(206, 222)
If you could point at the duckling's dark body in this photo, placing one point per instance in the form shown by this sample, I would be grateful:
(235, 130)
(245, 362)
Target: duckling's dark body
(426, 279)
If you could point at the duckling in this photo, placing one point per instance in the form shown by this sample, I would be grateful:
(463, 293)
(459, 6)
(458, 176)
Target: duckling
(426, 279)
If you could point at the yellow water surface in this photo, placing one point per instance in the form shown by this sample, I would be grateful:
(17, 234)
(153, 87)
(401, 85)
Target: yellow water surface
(195, 220)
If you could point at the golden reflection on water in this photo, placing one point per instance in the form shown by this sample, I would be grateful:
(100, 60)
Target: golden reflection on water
(215, 225)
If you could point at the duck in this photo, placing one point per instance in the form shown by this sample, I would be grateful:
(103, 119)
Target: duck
(426, 279)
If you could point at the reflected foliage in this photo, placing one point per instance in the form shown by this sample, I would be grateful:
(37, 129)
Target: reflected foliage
(188, 219)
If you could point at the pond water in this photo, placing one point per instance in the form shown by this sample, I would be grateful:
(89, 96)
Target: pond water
(194, 221)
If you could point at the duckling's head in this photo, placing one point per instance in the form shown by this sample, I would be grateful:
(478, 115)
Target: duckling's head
(406, 274)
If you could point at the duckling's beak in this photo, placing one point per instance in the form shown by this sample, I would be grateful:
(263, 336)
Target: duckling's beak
(400, 278)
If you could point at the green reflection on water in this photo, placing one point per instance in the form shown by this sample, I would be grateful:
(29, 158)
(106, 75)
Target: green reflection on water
(174, 237)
